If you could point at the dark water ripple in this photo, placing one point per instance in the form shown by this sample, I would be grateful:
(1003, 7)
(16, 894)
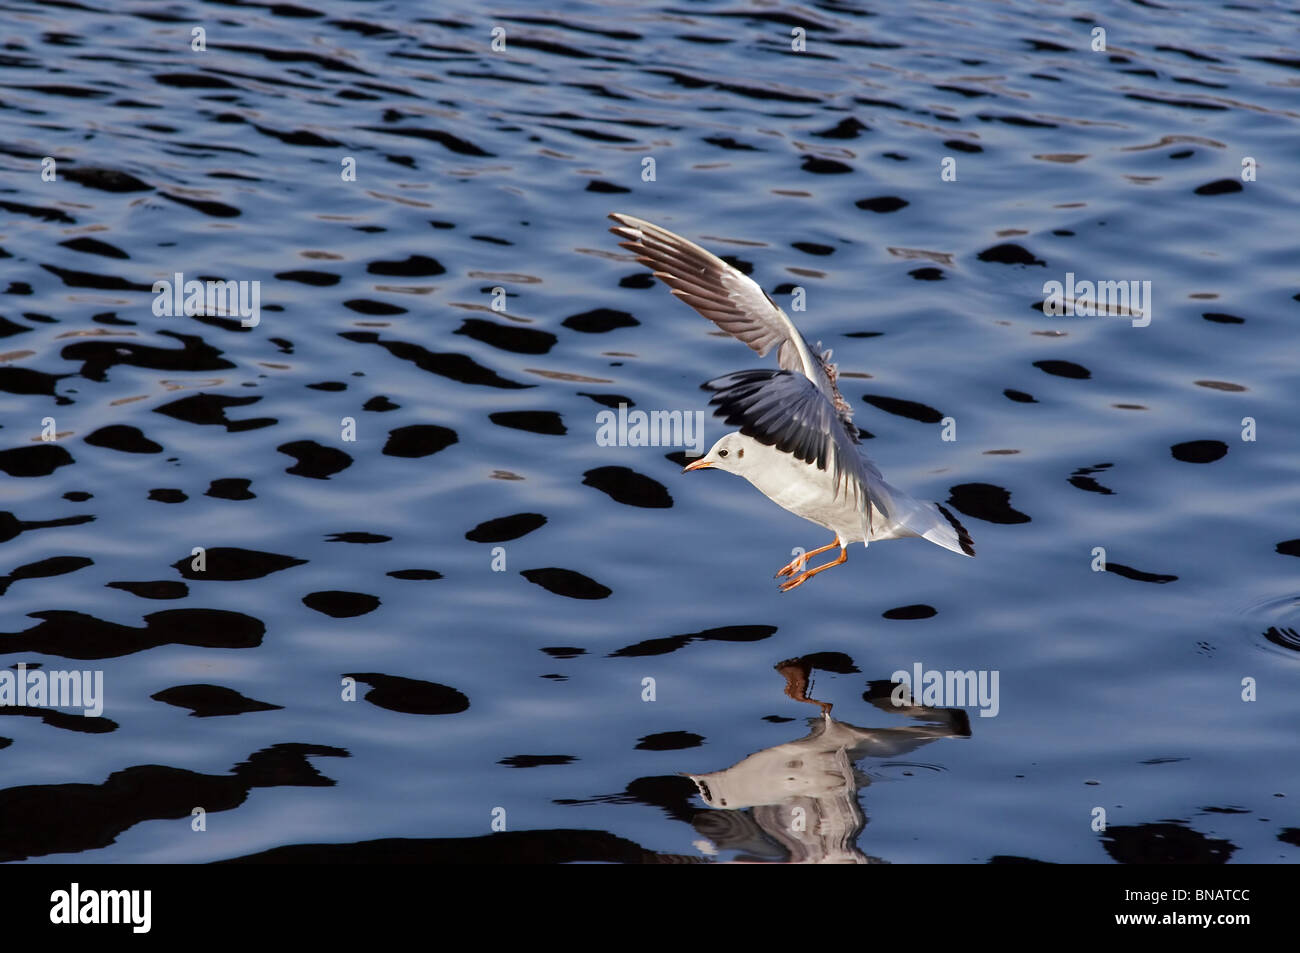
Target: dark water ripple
(436, 338)
(210, 701)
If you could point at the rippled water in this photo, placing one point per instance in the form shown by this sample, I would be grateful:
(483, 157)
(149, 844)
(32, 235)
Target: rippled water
(498, 585)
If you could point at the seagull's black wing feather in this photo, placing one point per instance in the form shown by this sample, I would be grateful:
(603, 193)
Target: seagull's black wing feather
(786, 410)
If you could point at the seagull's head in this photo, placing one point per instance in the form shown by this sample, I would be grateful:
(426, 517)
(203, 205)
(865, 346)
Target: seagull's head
(727, 454)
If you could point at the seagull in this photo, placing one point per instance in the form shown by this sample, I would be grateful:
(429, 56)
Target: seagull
(797, 443)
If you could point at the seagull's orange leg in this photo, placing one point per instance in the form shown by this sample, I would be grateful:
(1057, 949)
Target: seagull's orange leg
(795, 565)
(798, 676)
(804, 577)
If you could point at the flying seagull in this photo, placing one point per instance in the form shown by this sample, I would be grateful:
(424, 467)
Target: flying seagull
(796, 443)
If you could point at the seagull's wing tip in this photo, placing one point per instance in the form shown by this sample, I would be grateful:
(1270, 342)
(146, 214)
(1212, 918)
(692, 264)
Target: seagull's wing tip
(627, 221)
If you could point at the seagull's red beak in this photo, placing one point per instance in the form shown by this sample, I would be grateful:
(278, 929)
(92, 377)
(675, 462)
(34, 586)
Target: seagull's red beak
(699, 464)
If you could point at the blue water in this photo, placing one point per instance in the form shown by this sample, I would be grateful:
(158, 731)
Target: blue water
(477, 169)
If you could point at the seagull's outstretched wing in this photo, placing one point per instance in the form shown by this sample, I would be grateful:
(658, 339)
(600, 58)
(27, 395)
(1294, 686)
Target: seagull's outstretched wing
(785, 410)
(732, 301)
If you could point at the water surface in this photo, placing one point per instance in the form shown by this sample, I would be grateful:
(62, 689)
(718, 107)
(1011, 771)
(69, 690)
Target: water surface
(475, 432)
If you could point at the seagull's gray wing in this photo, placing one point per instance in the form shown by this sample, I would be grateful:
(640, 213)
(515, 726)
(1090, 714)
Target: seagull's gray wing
(787, 411)
(732, 301)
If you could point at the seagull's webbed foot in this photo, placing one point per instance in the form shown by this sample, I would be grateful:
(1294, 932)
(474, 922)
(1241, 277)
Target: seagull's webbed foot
(797, 564)
(805, 576)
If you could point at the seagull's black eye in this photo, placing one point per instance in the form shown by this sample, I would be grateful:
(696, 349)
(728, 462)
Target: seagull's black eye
(722, 453)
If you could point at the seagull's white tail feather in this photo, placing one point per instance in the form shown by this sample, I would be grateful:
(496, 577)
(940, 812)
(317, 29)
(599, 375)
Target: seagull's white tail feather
(930, 521)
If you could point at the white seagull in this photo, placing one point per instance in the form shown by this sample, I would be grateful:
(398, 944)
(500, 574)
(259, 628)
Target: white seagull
(797, 443)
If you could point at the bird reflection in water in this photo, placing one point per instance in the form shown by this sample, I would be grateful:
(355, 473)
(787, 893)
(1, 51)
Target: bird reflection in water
(797, 802)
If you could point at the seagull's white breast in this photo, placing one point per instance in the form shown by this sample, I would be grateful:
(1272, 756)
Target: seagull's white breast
(806, 491)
